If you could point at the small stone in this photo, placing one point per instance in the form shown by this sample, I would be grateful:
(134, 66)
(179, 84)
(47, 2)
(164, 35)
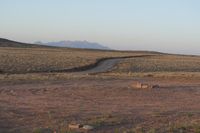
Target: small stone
(75, 126)
(88, 127)
(140, 85)
(145, 86)
(136, 85)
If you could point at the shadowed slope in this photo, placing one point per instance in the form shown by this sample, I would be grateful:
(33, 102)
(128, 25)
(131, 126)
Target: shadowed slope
(9, 43)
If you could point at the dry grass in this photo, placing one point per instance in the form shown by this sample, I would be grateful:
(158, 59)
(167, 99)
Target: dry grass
(163, 63)
(22, 60)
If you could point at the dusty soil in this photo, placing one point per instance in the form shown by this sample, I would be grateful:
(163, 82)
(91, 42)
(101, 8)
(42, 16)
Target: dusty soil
(110, 105)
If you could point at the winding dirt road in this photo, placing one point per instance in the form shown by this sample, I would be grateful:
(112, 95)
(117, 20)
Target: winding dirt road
(102, 65)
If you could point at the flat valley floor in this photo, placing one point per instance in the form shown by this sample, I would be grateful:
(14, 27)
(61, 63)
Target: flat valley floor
(108, 104)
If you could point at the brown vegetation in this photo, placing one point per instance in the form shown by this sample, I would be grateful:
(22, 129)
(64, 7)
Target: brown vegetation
(162, 63)
(23, 60)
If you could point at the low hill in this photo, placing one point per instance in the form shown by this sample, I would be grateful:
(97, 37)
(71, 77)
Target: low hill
(9, 43)
(75, 44)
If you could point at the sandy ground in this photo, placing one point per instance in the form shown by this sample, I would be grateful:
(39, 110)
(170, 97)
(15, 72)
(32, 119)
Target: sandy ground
(110, 105)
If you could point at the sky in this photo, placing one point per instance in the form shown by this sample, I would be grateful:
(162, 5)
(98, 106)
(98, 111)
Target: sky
(171, 26)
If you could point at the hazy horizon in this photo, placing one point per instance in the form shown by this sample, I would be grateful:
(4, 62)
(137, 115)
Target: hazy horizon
(171, 26)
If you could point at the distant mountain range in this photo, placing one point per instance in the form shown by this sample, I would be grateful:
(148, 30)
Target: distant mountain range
(75, 44)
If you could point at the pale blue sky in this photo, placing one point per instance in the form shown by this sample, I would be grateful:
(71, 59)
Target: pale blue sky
(162, 25)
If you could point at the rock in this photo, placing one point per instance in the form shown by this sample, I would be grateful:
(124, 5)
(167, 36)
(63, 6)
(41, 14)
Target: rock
(12, 92)
(145, 86)
(88, 127)
(75, 126)
(139, 85)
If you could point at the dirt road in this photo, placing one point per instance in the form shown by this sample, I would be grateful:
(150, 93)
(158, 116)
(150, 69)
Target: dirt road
(103, 66)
